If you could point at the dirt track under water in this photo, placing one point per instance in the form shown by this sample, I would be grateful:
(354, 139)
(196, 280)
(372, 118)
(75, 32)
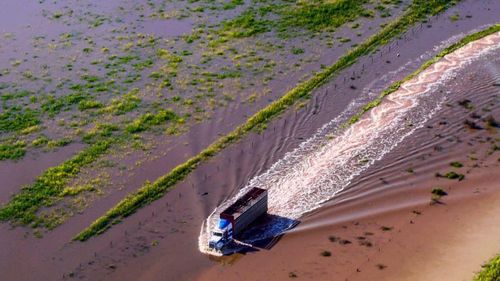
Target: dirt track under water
(160, 241)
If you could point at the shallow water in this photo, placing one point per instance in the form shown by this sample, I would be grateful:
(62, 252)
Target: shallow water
(175, 219)
(327, 163)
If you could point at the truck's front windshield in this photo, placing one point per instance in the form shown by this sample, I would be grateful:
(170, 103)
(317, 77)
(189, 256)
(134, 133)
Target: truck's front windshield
(217, 234)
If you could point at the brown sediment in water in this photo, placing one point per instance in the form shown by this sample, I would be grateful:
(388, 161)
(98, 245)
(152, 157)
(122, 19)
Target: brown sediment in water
(416, 241)
(127, 251)
(386, 226)
(316, 172)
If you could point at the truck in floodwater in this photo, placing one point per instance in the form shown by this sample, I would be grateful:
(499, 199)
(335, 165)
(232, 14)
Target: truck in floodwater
(235, 218)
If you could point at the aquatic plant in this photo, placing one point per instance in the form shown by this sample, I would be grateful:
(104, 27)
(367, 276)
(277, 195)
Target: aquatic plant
(326, 253)
(490, 271)
(381, 266)
(147, 120)
(437, 191)
(15, 119)
(315, 15)
(454, 175)
(13, 150)
(48, 187)
(386, 228)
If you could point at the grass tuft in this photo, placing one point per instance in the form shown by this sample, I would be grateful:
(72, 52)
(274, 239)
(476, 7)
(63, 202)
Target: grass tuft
(316, 15)
(12, 151)
(490, 271)
(326, 253)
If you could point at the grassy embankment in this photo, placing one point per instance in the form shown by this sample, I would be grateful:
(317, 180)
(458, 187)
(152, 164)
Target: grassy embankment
(490, 271)
(417, 11)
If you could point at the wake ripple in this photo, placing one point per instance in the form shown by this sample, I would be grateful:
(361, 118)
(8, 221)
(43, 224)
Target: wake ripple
(325, 164)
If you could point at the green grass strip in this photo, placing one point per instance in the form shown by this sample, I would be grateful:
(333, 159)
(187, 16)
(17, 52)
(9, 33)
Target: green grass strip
(23, 206)
(490, 271)
(418, 10)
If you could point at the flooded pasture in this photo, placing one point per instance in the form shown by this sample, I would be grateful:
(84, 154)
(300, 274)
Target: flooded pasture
(89, 69)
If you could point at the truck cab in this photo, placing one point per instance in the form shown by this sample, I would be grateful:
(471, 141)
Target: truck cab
(221, 235)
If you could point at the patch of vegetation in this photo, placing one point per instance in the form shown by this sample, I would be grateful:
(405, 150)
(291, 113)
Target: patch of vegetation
(147, 120)
(344, 40)
(472, 125)
(124, 104)
(333, 238)
(455, 17)
(492, 122)
(89, 104)
(73, 191)
(451, 176)
(326, 253)
(456, 164)
(52, 105)
(48, 188)
(246, 24)
(232, 4)
(16, 119)
(58, 143)
(297, 51)
(490, 271)
(465, 103)
(386, 228)
(381, 266)
(437, 193)
(12, 96)
(12, 151)
(42, 140)
(310, 15)
(317, 14)
(344, 242)
(150, 192)
(365, 243)
(101, 132)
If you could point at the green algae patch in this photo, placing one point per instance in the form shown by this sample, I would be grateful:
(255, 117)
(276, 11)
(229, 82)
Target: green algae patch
(315, 15)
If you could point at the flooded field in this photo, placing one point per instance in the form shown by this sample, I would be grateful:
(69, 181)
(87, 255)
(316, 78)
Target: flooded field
(100, 98)
(137, 83)
(389, 210)
(327, 163)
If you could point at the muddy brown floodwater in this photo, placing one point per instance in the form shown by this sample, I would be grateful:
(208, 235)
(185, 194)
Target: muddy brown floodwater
(160, 241)
(385, 226)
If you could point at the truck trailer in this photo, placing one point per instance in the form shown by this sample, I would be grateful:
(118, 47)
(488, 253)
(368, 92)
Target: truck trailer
(238, 216)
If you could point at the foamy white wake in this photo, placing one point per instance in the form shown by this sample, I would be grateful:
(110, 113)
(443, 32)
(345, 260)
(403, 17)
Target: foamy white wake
(325, 164)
